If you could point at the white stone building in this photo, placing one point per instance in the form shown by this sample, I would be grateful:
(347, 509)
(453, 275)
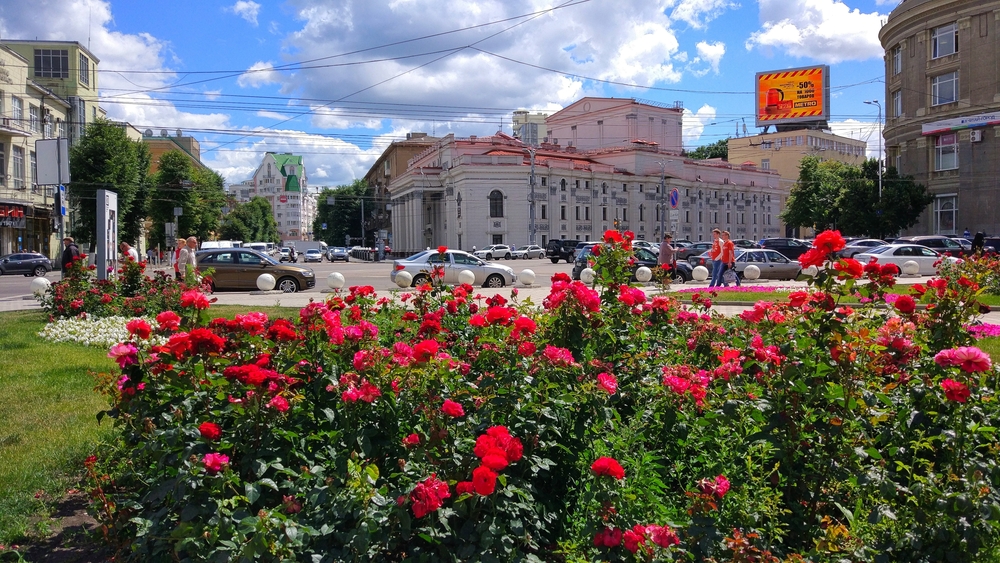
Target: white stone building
(281, 180)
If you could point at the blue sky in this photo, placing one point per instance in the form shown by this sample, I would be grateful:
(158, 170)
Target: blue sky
(337, 80)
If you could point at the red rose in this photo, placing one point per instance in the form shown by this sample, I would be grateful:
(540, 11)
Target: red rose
(442, 249)
(139, 328)
(612, 236)
(608, 466)
(797, 298)
(411, 440)
(210, 431)
(955, 391)
(464, 488)
(828, 242)
(484, 480)
(215, 462)
(608, 382)
(194, 298)
(452, 409)
(812, 257)
(849, 268)
(425, 350)
(428, 495)
(168, 320)
(905, 304)
(890, 270)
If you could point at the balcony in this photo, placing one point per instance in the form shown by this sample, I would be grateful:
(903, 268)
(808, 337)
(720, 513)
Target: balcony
(12, 127)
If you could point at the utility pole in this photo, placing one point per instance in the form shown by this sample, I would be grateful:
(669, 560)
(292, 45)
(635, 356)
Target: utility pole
(663, 189)
(531, 207)
(362, 222)
(876, 103)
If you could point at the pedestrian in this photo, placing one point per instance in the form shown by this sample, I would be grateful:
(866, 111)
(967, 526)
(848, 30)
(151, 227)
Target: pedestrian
(667, 259)
(70, 253)
(715, 254)
(151, 256)
(967, 234)
(187, 263)
(979, 243)
(129, 253)
(473, 249)
(728, 258)
(181, 243)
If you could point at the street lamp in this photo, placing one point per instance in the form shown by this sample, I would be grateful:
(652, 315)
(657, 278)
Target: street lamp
(663, 191)
(876, 103)
(531, 208)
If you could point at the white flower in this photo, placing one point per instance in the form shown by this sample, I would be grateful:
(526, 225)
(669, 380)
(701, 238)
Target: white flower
(98, 332)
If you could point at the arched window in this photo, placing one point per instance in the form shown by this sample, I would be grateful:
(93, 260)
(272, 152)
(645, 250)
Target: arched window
(496, 204)
(562, 185)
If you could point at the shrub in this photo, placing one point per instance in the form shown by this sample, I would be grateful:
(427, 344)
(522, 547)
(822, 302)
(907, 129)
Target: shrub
(606, 426)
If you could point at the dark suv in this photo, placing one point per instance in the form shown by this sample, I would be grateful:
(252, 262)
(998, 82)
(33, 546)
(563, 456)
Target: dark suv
(560, 249)
(792, 248)
(941, 244)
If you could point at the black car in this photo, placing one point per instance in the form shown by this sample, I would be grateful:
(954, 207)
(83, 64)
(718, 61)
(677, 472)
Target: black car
(27, 263)
(643, 257)
(792, 248)
(943, 245)
(693, 249)
(560, 249)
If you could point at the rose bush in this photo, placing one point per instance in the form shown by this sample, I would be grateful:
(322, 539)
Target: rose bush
(606, 426)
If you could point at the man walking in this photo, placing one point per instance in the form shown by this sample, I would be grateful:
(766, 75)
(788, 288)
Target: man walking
(715, 254)
(128, 252)
(186, 262)
(667, 257)
(70, 253)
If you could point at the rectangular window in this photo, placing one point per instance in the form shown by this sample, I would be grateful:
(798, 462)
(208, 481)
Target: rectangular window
(562, 212)
(642, 214)
(946, 214)
(624, 214)
(604, 214)
(586, 213)
(699, 216)
(897, 103)
(52, 63)
(897, 60)
(545, 209)
(85, 71)
(944, 41)
(946, 152)
(765, 164)
(544, 182)
(34, 167)
(17, 111)
(18, 169)
(577, 212)
(576, 184)
(640, 188)
(3, 167)
(34, 123)
(944, 88)
(497, 239)
(47, 125)
(687, 216)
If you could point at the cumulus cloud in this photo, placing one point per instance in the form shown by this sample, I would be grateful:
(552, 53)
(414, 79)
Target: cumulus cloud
(825, 30)
(246, 9)
(694, 124)
(708, 59)
(259, 74)
(698, 13)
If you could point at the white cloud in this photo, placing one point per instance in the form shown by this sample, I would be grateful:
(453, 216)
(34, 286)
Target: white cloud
(708, 59)
(212, 94)
(246, 10)
(867, 131)
(698, 13)
(259, 74)
(694, 124)
(272, 115)
(825, 30)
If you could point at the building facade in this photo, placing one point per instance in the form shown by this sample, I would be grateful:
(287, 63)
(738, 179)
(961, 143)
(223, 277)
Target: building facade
(164, 142)
(942, 108)
(29, 112)
(529, 128)
(392, 160)
(782, 152)
(281, 180)
(478, 191)
(595, 123)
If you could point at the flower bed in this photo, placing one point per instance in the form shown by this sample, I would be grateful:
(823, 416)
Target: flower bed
(605, 427)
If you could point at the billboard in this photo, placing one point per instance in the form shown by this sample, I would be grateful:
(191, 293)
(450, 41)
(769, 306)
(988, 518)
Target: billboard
(794, 95)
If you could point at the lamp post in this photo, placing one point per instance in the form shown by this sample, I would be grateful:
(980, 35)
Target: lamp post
(876, 103)
(663, 188)
(531, 206)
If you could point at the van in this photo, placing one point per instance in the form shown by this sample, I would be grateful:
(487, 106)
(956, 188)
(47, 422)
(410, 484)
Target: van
(212, 244)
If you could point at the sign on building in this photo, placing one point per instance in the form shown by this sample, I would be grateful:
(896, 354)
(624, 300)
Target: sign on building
(107, 234)
(794, 95)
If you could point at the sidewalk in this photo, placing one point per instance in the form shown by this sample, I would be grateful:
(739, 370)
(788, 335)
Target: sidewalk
(535, 293)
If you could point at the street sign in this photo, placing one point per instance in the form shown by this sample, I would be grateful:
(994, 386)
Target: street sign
(675, 198)
(178, 211)
(324, 226)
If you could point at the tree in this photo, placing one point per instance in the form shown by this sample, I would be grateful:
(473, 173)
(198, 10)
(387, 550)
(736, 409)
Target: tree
(252, 221)
(832, 194)
(198, 192)
(343, 216)
(718, 149)
(105, 158)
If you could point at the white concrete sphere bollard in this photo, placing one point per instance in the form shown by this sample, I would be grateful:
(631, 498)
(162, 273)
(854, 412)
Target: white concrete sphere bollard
(751, 272)
(643, 274)
(911, 268)
(404, 278)
(466, 276)
(526, 277)
(700, 273)
(811, 271)
(265, 282)
(39, 286)
(335, 280)
(587, 275)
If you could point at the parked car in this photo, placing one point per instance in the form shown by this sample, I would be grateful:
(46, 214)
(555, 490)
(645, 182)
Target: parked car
(693, 249)
(494, 251)
(27, 263)
(643, 257)
(942, 244)
(650, 246)
(335, 253)
(792, 248)
(901, 253)
(284, 253)
(560, 249)
(421, 264)
(859, 245)
(580, 246)
(239, 268)
(313, 255)
(772, 264)
(528, 252)
(745, 243)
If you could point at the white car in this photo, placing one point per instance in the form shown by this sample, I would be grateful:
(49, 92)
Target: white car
(650, 246)
(900, 254)
(528, 252)
(421, 264)
(494, 251)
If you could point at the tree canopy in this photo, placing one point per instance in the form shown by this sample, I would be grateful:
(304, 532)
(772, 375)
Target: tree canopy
(343, 216)
(252, 221)
(832, 194)
(105, 158)
(198, 192)
(718, 149)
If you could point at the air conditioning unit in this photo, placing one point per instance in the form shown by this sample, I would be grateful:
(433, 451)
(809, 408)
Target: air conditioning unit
(6, 122)
(976, 135)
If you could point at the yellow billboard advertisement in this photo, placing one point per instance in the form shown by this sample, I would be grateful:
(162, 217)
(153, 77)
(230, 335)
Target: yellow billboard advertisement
(794, 95)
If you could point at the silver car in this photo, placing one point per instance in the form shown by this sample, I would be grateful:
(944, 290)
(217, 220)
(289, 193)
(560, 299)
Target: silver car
(494, 251)
(899, 254)
(421, 264)
(772, 264)
(528, 252)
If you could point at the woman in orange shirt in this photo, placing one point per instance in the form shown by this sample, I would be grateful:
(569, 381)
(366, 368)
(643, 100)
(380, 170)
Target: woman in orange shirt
(728, 258)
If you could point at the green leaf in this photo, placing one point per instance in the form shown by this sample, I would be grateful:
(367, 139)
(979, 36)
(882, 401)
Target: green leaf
(252, 491)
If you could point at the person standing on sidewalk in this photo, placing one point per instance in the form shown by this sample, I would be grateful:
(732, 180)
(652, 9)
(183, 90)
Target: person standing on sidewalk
(181, 243)
(187, 262)
(70, 253)
(728, 258)
(715, 254)
(667, 258)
